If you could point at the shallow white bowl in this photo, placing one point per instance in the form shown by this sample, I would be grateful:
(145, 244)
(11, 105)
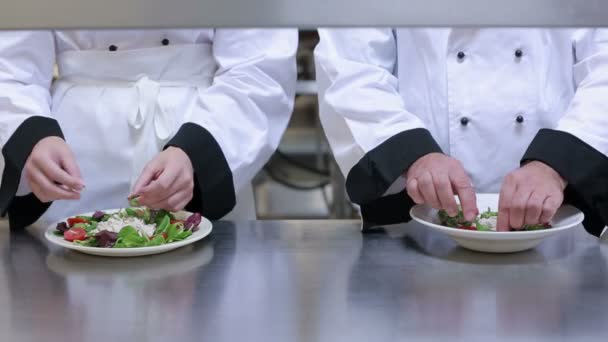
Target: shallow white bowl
(204, 230)
(498, 242)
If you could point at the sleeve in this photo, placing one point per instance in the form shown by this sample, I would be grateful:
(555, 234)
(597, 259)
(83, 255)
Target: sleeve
(578, 147)
(26, 71)
(238, 121)
(373, 137)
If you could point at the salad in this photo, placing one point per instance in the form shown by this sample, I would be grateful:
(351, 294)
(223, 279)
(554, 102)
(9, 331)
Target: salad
(486, 221)
(127, 228)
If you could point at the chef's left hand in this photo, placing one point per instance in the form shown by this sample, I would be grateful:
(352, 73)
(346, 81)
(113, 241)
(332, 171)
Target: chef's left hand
(167, 181)
(529, 195)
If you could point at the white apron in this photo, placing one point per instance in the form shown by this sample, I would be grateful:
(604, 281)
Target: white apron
(118, 109)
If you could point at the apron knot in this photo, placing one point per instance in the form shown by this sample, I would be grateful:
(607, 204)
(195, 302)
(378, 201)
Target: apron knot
(143, 74)
(149, 108)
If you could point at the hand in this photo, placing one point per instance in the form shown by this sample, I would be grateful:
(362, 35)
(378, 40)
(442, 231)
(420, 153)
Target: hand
(167, 181)
(434, 178)
(51, 171)
(529, 195)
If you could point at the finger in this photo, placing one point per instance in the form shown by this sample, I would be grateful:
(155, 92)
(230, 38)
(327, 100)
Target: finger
(427, 190)
(38, 192)
(165, 185)
(504, 203)
(517, 212)
(182, 205)
(68, 163)
(181, 186)
(48, 191)
(443, 187)
(148, 174)
(56, 174)
(550, 206)
(464, 189)
(534, 207)
(175, 202)
(413, 192)
(181, 183)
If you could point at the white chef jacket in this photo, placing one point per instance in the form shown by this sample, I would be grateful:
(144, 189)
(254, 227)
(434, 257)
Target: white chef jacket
(222, 95)
(479, 95)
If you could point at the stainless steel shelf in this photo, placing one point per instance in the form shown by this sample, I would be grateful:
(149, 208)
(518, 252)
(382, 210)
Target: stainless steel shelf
(32, 14)
(306, 88)
(298, 141)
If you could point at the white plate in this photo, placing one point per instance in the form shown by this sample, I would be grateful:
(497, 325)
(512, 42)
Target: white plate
(498, 242)
(204, 230)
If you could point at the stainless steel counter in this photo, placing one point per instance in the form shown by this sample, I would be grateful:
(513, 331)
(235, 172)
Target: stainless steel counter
(306, 281)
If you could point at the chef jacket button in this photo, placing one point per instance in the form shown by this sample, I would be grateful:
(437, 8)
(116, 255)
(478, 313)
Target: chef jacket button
(165, 41)
(519, 118)
(464, 121)
(460, 55)
(112, 48)
(519, 53)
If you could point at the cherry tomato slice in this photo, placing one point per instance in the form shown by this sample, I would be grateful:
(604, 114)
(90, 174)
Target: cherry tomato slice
(74, 220)
(75, 234)
(467, 227)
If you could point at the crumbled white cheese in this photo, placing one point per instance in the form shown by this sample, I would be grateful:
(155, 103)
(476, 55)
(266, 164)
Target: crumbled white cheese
(115, 224)
(490, 222)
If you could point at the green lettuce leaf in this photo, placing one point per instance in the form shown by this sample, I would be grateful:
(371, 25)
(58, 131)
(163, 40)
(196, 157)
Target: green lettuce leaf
(90, 242)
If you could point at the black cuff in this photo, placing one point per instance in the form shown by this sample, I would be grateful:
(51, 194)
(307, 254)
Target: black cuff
(23, 211)
(379, 168)
(583, 167)
(214, 195)
(391, 209)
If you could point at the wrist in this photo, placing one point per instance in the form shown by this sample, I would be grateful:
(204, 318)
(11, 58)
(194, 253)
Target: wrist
(554, 174)
(421, 159)
(51, 139)
(181, 155)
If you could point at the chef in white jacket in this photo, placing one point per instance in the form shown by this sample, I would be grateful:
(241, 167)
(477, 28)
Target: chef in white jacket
(181, 118)
(418, 115)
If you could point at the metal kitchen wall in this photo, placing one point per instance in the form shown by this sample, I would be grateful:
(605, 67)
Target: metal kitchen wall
(304, 14)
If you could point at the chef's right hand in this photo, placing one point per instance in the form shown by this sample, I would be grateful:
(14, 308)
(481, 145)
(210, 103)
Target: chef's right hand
(434, 179)
(51, 171)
